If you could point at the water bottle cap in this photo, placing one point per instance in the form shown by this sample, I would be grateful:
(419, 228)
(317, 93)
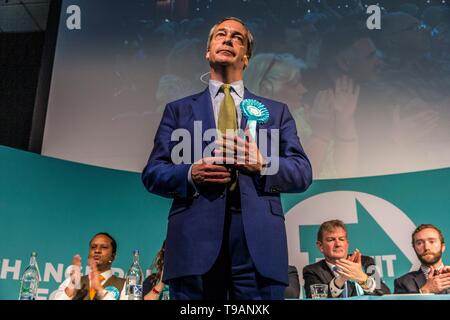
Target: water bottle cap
(135, 251)
(33, 254)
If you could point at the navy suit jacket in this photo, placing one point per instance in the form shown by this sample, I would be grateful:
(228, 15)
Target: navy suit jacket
(410, 282)
(196, 224)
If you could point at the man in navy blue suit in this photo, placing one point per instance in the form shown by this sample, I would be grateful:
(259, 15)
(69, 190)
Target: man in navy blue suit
(432, 276)
(226, 237)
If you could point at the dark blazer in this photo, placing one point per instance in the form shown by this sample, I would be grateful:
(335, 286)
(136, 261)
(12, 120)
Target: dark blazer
(410, 282)
(293, 290)
(320, 273)
(195, 226)
(83, 293)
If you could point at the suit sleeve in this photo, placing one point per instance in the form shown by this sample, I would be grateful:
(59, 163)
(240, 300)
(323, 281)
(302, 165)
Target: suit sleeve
(161, 176)
(399, 286)
(310, 277)
(294, 173)
(293, 290)
(372, 270)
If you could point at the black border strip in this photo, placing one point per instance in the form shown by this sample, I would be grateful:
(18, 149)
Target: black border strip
(45, 78)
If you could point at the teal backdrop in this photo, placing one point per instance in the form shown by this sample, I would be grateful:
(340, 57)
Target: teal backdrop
(53, 207)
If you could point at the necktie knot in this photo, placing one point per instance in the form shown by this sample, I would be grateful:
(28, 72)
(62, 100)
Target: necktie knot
(225, 88)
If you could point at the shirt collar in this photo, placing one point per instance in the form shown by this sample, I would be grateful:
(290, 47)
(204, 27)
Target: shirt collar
(332, 267)
(238, 87)
(426, 269)
(107, 274)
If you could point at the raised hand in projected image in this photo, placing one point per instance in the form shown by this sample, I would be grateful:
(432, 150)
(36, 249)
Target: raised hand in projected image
(346, 94)
(413, 128)
(321, 119)
(321, 115)
(346, 148)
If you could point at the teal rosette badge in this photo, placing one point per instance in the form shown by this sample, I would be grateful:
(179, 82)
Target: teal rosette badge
(255, 112)
(113, 291)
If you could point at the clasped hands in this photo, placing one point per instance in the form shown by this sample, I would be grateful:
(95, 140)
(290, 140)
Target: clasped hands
(75, 276)
(350, 268)
(233, 152)
(436, 283)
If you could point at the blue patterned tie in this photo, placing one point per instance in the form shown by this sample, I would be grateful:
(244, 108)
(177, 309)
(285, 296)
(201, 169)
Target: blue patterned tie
(345, 292)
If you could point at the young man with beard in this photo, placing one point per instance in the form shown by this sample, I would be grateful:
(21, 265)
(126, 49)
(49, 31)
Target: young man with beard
(433, 276)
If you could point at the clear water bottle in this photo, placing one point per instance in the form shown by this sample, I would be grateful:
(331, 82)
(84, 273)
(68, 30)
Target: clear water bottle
(30, 280)
(134, 279)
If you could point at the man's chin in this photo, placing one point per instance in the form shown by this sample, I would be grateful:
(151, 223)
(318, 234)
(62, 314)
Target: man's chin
(224, 60)
(429, 261)
(337, 256)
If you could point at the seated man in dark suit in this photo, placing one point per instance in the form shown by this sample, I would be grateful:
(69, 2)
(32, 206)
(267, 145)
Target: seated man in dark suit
(293, 290)
(345, 275)
(432, 276)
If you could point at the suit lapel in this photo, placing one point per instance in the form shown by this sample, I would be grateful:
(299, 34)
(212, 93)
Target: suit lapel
(202, 110)
(419, 279)
(327, 274)
(247, 95)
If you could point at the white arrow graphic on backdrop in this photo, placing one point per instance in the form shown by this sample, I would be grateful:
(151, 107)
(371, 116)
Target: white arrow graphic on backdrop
(342, 205)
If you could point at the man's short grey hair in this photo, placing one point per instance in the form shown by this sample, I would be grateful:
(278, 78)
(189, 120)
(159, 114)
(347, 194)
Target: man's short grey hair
(250, 39)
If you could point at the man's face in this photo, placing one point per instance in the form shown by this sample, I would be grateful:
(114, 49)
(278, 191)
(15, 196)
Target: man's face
(428, 246)
(228, 45)
(100, 251)
(334, 244)
(367, 60)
